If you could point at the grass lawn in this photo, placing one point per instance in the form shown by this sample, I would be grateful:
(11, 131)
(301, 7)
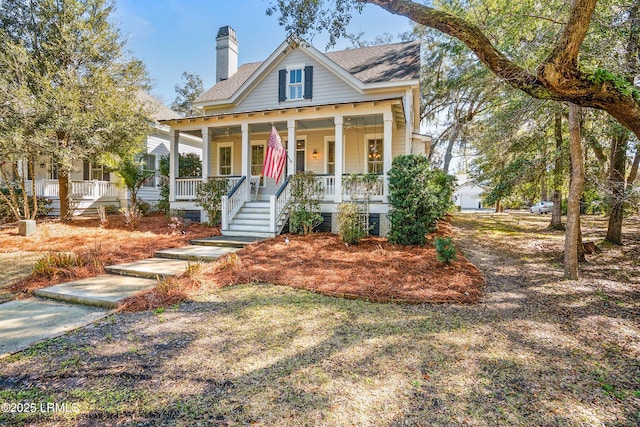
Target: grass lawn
(535, 351)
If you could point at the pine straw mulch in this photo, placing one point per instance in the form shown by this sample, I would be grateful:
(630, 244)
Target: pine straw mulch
(374, 270)
(95, 246)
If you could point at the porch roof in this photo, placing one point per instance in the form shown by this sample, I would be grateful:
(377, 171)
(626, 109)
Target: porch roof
(269, 115)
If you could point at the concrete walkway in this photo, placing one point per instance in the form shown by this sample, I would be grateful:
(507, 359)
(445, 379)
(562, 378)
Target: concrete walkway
(76, 304)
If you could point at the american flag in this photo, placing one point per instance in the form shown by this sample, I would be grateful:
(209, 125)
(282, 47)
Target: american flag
(275, 157)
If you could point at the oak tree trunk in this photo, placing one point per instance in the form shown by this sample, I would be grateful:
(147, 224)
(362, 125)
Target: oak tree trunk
(573, 237)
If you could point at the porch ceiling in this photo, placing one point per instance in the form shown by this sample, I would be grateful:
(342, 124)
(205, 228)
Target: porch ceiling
(260, 121)
(301, 125)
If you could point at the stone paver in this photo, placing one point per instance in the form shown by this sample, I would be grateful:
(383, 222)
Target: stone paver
(101, 291)
(150, 268)
(26, 322)
(196, 253)
(231, 241)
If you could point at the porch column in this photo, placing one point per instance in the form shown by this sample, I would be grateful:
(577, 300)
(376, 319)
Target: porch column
(174, 170)
(246, 159)
(206, 141)
(291, 148)
(387, 152)
(339, 161)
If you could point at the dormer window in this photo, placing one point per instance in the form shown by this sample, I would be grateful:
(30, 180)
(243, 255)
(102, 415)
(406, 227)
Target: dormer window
(296, 83)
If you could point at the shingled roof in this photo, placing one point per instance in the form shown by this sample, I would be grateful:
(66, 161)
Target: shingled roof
(376, 64)
(156, 108)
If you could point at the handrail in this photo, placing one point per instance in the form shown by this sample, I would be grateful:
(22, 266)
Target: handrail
(235, 187)
(232, 202)
(283, 186)
(278, 204)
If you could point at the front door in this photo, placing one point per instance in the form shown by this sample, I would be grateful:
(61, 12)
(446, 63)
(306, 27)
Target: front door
(301, 155)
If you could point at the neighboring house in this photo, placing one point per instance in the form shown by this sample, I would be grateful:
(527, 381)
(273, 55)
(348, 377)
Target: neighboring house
(338, 113)
(93, 185)
(468, 194)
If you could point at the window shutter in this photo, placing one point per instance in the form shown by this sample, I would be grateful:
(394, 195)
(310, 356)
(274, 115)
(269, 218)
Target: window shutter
(282, 85)
(105, 175)
(85, 171)
(308, 82)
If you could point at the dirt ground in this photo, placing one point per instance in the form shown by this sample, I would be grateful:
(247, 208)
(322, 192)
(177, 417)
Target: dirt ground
(536, 350)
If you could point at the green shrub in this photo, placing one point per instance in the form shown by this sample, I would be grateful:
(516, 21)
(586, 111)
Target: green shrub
(353, 222)
(144, 208)
(54, 263)
(445, 250)
(419, 197)
(209, 198)
(111, 209)
(306, 193)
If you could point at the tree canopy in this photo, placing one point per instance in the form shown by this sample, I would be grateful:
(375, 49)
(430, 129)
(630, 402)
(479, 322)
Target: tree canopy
(550, 68)
(74, 71)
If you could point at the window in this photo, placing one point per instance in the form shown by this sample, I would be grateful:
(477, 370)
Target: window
(331, 157)
(53, 169)
(224, 159)
(149, 163)
(97, 171)
(374, 156)
(296, 85)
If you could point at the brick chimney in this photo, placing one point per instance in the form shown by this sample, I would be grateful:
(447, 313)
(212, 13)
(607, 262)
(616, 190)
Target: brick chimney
(226, 53)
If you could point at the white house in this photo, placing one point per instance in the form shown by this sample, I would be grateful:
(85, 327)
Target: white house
(338, 113)
(468, 194)
(92, 185)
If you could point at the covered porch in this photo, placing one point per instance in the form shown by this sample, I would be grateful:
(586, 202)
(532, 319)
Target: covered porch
(334, 142)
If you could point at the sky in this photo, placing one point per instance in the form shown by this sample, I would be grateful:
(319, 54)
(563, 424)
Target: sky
(173, 36)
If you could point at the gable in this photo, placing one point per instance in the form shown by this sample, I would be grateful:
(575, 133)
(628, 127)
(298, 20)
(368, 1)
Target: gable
(326, 86)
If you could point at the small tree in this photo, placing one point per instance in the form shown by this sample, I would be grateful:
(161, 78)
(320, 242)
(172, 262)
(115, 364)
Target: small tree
(306, 193)
(133, 176)
(419, 197)
(209, 197)
(353, 223)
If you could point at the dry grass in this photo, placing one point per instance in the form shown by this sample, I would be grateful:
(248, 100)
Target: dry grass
(535, 351)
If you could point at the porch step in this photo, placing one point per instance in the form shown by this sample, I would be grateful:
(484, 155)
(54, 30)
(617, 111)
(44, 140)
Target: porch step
(249, 227)
(256, 204)
(251, 215)
(260, 211)
(196, 253)
(150, 268)
(249, 234)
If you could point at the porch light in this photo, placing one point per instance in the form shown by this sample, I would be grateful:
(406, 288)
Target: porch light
(315, 153)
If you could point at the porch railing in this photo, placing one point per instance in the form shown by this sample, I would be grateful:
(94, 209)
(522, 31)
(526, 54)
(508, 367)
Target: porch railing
(233, 201)
(187, 188)
(278, 204)
(93, 190)
(354, 190)
(358, 189)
